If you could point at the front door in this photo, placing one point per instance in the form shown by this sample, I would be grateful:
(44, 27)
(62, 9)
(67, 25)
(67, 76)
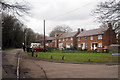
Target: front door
(95, 46)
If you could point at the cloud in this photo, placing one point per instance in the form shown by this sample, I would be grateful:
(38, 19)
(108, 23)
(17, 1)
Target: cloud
(74, 13)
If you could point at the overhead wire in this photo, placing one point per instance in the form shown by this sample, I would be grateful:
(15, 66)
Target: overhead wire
(71, 11)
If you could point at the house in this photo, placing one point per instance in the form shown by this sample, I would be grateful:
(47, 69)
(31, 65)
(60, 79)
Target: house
(68, 40)
(50, 42)
(55, 40)
(96, 39)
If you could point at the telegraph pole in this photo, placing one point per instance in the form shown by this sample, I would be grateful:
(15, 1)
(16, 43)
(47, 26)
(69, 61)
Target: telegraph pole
(44, 35)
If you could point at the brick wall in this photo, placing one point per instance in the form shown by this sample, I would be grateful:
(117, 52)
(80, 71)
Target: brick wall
(89, 41)
(109, 37)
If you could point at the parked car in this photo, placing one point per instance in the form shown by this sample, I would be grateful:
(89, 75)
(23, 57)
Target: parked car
(39, 49)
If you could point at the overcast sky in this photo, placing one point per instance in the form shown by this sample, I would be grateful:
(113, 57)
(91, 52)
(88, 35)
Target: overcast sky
(74, 13)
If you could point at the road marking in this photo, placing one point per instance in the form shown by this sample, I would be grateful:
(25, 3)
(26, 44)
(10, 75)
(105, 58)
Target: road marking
(18, 65)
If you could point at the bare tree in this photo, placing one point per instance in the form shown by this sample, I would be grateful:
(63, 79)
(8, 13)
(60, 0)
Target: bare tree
(60, 29)
(15, 9)
(109, 11)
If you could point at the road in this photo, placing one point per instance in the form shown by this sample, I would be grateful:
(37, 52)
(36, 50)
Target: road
(35, 68)
(69, 70)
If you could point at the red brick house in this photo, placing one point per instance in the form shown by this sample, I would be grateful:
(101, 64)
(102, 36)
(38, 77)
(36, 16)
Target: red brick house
(55, 40)
(96, 39)
(50, 42)
(68, 40)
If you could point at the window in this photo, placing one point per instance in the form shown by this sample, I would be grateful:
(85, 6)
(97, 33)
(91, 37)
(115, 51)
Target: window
(63, 39)
(86, 45)
(66, 39)
(60, 45)
(78, 38)
(79, 45)
(91, 38)
(99, 44)
(99, 36)
(59, 40)
(71, 38)
(85, 38)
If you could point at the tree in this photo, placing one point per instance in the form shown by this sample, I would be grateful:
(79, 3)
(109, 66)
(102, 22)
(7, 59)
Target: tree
(15, 8)
(60, 29)
(109, 12)
(30, 36)
(12, 32)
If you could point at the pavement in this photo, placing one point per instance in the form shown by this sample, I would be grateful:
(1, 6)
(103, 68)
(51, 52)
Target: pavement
(9, 62)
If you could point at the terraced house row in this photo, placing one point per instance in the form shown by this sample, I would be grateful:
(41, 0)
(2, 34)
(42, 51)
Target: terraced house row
(95, 39)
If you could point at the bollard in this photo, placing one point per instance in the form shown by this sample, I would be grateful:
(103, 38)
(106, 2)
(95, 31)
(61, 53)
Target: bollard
(36, 55)
(88, 59)
(63, 57)
(32, 53)
(51, 57)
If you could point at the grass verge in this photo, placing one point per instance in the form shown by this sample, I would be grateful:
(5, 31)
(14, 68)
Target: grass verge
(80, 57)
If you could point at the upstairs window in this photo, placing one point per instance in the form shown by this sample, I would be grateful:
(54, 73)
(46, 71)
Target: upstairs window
(71, 38)
(85, 38)
(99, 36)
(78, 38)
(91, 38)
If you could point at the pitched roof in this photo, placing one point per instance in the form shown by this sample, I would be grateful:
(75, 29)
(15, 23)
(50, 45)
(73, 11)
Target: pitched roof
(93, 32)
(50, 38)
(68, 34)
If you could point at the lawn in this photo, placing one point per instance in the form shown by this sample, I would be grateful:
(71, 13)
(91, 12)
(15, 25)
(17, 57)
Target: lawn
(80, 56)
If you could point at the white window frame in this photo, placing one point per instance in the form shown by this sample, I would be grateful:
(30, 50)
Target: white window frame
(99, 36)
(86, 45)
(71, 44)
(99, 44)
(79, 45)
(78, 38)
(59, 40)
(91, 38)
(85, 37)
(71, 38)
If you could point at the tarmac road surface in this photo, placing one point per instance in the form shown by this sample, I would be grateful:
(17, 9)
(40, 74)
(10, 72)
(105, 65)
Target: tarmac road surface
(68, 70)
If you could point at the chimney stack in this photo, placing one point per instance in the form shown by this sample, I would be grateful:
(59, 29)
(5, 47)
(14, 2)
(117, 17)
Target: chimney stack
(79, 30)
(109, 25)
(82, 30)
